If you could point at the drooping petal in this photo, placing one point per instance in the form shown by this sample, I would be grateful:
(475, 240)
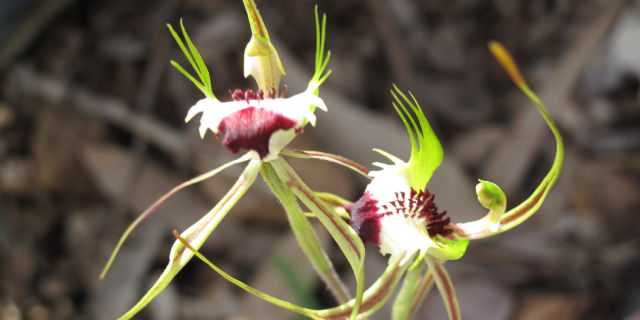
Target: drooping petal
(408, 292)
(515, 216)
(372, 300)
(327, 157)
(347, 239)
(445, 286)
(305, 234)
(424, 286)
(257, 293)
(158, 202)
(196, 235)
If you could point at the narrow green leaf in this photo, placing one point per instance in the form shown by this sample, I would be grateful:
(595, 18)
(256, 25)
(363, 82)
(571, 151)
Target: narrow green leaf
(197, 234)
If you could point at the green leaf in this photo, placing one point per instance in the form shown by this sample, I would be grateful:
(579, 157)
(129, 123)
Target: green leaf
(305, 234)
(158, 202)
(197, 234)
(348, 241)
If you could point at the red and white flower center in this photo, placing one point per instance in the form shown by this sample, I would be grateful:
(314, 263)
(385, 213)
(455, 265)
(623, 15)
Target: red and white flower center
(262, 125)
(405, 224)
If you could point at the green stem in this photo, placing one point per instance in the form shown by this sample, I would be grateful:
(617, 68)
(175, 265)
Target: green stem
(305, 235)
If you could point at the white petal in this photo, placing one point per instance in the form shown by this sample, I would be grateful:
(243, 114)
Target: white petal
(278, 141)
(388, 181)
(311, 117)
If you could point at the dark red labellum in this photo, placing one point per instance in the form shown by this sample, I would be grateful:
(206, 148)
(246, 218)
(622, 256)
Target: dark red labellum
(251, 128)
(364, 218)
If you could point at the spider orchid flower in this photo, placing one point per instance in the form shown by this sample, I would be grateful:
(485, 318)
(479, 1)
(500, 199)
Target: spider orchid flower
(262, 123)
(399, 214)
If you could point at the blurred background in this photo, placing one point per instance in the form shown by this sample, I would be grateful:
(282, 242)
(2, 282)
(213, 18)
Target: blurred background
(92, 132)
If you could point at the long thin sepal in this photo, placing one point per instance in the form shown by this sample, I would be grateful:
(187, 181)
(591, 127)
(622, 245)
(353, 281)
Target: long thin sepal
(426, 283)
(305, 235)
(197, 234)
(158, 202)
(374, 298)
(517, 215)
(327, 157)
(257, 293)
(348, 241)
(410, 286)
(445, 286)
